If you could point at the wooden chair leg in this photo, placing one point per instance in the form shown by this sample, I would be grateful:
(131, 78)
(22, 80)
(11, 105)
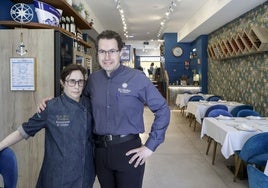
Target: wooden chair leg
(209, 143)
(182, 110)
(237, 167)
(214, 152)
(191, 117)
(194, 124)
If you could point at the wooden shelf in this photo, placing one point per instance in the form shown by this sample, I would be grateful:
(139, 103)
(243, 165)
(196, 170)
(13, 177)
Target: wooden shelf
(211, 52)
(224, 49)
(241, 44)
(80, 22)
(34, 25)
(254, 41)
(235, 46)
(259, 36)
(218, 45)
(248, 43)
(229, 47)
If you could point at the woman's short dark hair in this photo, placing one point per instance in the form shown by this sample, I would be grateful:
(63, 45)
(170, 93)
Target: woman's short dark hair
(108, 34)
(70, 68)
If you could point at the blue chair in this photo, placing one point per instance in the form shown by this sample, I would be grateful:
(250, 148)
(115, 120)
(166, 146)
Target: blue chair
(217, 106)
(9, 168)
(256, 178)
(196, 98)
(214, 98)
(188, 92)
(247, 112)
(254, 151)
(236, 109)
(216, 113)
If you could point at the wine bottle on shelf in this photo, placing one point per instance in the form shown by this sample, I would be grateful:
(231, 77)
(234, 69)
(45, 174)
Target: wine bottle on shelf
(72, 25)
(67, 23)
(62, 23)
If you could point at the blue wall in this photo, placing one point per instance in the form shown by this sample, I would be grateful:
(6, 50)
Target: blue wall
(175, 65)
(200, 44)
(5, 6)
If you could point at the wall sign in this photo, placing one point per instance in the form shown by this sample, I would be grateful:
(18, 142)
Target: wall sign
(125, 54)
(22, 74)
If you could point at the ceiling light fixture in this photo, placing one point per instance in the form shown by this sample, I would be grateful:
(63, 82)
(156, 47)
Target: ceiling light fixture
(170, 9)
(121, 12)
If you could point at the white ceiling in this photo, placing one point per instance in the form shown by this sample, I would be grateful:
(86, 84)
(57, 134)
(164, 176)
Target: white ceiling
(190, 18)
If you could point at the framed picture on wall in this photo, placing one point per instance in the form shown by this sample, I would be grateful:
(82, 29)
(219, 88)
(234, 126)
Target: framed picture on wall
(22, 74)
(125, 56)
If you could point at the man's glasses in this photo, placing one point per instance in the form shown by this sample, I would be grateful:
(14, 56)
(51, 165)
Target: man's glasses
(73, 82)
(109, 52)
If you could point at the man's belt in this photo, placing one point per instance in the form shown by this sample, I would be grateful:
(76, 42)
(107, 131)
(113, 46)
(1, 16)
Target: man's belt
(106, 140)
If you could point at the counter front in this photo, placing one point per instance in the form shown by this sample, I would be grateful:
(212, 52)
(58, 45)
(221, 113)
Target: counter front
(173, 90)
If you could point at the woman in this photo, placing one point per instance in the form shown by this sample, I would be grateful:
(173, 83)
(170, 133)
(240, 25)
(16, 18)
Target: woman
(67, 120)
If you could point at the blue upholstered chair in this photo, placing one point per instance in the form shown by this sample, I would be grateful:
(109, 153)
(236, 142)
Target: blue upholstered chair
(217, 106)
(196, 98)
(216, 113)
(9, 168)
(256, 178)
(236, 109)
(254, 151)
(214, 98)
(247, 112)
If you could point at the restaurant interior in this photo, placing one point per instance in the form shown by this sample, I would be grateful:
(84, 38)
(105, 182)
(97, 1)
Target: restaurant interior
(209, 60)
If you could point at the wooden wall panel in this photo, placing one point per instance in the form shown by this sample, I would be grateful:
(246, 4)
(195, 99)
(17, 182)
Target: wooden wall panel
(17, 106)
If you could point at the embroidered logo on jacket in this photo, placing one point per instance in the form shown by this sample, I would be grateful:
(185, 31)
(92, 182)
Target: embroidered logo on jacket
(124, 89)
(62, 120)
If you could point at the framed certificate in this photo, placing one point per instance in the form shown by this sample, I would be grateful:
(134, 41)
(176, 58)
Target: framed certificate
(22, 74)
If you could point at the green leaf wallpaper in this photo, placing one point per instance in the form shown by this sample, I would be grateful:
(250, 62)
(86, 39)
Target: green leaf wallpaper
(242, 78)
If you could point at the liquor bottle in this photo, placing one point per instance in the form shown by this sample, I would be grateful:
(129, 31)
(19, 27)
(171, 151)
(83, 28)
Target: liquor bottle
(72, 25)
(62, 23)
(67, 23)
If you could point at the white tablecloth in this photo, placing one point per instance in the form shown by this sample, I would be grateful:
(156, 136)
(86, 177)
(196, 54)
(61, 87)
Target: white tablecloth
(182, 99)
(226, 133)
(199, 108)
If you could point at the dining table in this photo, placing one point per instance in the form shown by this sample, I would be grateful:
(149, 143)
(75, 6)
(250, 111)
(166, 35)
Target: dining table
(233, 132)
(183, 98)
(199, 108)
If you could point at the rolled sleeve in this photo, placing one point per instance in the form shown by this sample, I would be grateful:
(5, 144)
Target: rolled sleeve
(23, 133)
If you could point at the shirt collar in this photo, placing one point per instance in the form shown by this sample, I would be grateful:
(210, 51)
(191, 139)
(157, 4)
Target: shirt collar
(116, 71)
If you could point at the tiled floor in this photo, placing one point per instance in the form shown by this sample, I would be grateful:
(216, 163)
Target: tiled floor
(181, 162)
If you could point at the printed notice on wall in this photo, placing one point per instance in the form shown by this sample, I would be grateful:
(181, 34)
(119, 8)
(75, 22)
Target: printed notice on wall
(22, 74)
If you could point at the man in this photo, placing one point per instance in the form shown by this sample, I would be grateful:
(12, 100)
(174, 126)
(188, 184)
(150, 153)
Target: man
(118, 95)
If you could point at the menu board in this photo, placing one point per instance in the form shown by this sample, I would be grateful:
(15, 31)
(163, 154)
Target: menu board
(22, 74)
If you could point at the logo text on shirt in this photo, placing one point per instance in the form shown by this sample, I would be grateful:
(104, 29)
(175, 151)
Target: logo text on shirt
(62, 120)
(124, 88)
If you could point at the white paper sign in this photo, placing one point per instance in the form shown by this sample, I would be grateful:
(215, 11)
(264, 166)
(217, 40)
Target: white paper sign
(22, 74)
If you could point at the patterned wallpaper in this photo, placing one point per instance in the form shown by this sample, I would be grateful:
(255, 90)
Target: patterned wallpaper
(244, 78)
